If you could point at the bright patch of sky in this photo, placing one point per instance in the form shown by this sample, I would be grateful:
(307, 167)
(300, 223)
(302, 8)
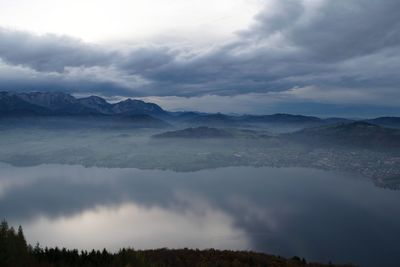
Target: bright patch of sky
(137, 20)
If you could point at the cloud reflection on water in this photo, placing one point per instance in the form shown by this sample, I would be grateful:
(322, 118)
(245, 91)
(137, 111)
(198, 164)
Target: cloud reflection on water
(290, 211)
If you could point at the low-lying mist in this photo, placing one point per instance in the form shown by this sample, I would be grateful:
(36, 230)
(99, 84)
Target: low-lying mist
(118, 144)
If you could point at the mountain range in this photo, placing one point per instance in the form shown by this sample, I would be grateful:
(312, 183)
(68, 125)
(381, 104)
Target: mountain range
(14, 104)
(58, 103)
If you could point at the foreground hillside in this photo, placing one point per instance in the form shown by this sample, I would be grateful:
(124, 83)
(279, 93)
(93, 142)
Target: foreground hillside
(14, 251)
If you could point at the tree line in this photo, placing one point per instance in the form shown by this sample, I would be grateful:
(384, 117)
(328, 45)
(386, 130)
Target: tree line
(15, 252)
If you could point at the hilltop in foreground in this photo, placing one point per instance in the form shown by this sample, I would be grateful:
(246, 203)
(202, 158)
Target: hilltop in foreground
(14, 251)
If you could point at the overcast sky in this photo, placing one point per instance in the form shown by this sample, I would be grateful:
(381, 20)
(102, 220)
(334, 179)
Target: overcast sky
(319, 57)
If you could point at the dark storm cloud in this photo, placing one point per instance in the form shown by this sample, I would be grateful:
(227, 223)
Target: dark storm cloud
(335, 30)
(49, 53)
(143, 59)
(23, 80)
(69, 86)
(292, 43)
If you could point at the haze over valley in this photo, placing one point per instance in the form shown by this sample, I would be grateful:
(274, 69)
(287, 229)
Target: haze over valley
(169, 133)
(41, 128)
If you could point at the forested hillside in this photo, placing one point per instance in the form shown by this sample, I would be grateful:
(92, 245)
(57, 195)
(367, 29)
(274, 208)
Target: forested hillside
(15, 252)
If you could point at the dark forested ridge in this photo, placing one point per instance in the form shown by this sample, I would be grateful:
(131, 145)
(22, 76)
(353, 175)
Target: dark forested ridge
(199, 132)
(15, 252)
(356, 134)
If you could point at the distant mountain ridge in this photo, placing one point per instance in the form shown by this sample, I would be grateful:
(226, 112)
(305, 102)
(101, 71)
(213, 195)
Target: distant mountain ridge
(222, 120)
(279, 117)
(356, 134)
(199, 132)
(58, 103)
(63, 104)
(359, 134)
(386, 121)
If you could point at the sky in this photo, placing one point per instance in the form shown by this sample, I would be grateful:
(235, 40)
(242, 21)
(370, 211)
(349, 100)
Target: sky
(314, 57)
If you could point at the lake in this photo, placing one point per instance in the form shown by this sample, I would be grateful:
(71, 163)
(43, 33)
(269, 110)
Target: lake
(315, 214)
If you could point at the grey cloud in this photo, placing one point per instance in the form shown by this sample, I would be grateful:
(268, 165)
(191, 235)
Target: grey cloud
(49, 53)
(345, 29)
(144, 59)
(332, 30)
(24, 79)
(292, 43)
(277, 17)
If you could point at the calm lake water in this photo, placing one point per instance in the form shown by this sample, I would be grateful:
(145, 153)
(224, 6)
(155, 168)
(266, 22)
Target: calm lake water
(315, 214)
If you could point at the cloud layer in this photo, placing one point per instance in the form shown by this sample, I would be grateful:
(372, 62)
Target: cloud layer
(318, 51)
